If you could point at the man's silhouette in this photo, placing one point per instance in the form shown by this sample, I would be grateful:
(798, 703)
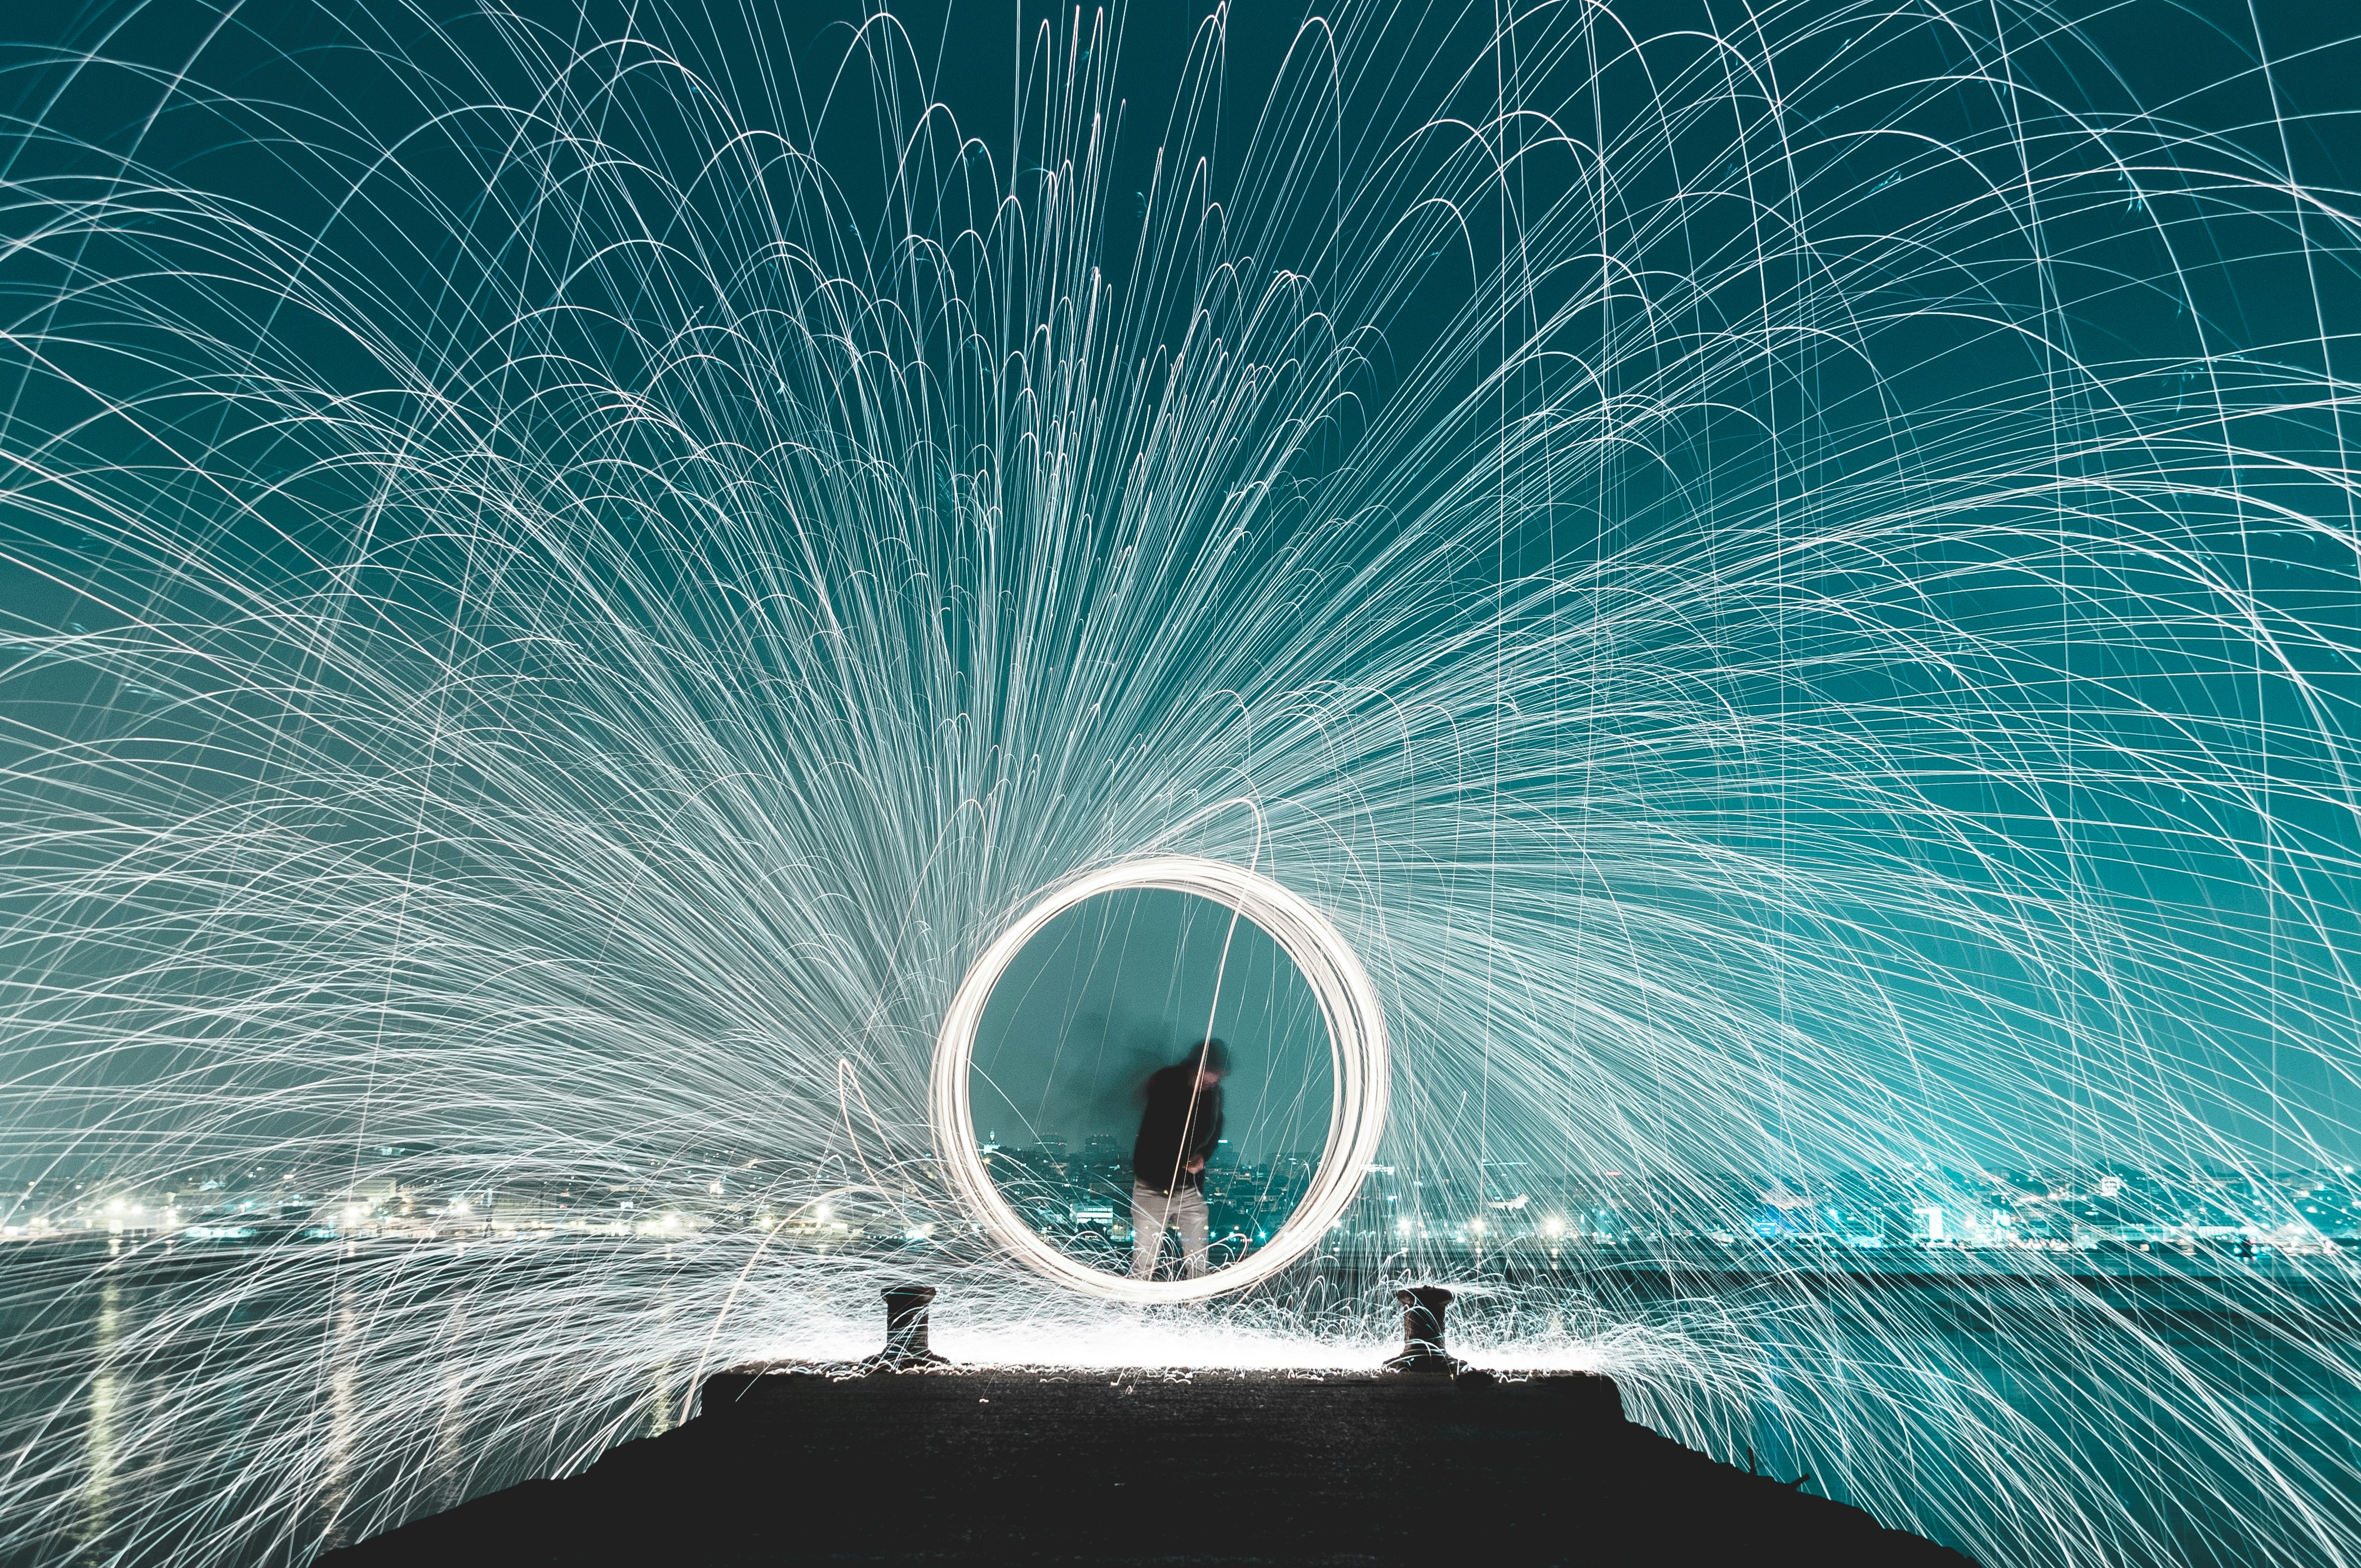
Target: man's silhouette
(1178, 1133)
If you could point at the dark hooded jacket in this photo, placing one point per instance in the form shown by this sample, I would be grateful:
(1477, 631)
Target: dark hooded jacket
(1182, 1122)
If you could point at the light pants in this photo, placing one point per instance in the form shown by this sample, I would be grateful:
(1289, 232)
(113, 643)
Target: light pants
(1151, 1211)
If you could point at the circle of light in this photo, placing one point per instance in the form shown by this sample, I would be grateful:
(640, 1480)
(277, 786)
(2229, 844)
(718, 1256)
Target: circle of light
(1359, 1085)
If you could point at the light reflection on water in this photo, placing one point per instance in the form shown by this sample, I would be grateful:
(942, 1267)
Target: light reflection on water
(450, 1429)
(155, 1419)
(661, 1407)
(99, 1456)
(343, 1354)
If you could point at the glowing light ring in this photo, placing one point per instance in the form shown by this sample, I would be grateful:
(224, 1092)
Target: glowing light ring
(1356, 1045)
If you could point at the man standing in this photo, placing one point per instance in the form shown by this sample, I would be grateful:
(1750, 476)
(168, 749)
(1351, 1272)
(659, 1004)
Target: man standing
(1178, 1133)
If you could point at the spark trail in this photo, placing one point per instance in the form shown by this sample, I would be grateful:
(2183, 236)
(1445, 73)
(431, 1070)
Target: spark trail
(1787, 578)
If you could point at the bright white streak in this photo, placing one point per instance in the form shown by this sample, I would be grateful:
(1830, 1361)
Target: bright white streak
(1356, 1047)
